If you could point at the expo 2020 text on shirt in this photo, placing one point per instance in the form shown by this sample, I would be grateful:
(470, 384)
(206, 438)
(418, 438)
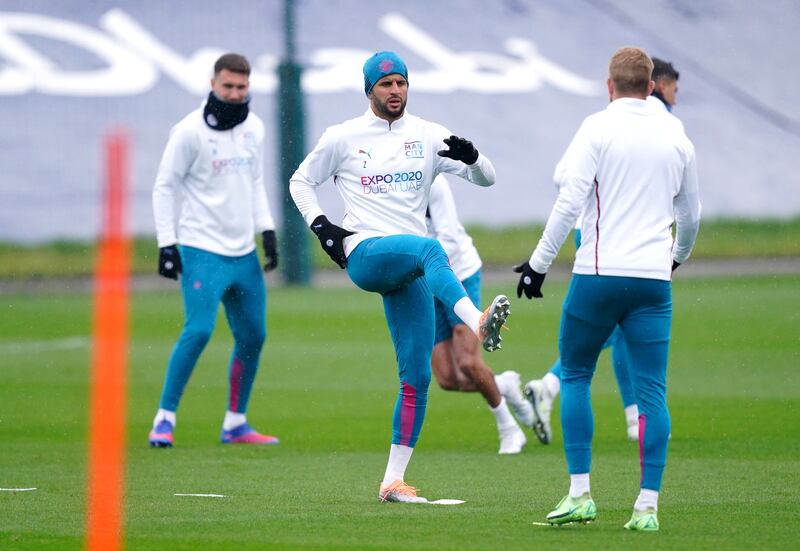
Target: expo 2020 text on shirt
(382, 163)
(212, 173)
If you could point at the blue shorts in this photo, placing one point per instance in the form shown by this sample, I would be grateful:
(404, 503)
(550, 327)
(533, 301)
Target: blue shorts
(446, 320)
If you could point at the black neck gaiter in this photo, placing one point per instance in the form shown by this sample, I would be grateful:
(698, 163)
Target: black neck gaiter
(222, 115)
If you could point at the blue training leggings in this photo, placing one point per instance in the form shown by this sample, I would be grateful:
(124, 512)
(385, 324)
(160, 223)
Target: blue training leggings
(446, 318)
(620, 362)
(408, 271)
(619, 356)
(643, 310)
(238, 283)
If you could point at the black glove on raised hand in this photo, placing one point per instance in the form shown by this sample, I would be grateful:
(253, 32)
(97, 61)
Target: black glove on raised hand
(530, 282)
(270, 250)
(675, 265)
(169, 262)
(460, 150)
(331, 238)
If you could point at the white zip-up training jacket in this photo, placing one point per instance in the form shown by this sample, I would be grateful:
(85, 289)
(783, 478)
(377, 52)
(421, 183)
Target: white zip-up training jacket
(217, 174)
(630, 171)
(663, 107)
(444, 226)
(383, 173)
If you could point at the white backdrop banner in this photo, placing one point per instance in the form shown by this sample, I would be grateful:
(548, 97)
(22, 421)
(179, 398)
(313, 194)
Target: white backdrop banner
(516, 78)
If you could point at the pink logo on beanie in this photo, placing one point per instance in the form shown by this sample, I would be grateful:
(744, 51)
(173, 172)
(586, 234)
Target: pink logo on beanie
(386, 65)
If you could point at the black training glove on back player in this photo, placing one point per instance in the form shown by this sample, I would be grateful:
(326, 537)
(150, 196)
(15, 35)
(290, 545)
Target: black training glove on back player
(270, 250)
(169, 262)
(331, 238)
(460, 150)
(530, 282)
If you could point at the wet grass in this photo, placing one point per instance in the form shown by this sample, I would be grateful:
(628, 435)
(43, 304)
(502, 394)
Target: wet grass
(327, 386)
(760, 239)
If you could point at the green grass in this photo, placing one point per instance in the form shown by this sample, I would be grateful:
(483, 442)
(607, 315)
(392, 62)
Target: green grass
(498, 246)
(327, 386)
(717, 239)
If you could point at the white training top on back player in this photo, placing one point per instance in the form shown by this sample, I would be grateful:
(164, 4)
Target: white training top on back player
(218, 176)
(383, 173)
(663, 107)
(630, 171)
(445, 227)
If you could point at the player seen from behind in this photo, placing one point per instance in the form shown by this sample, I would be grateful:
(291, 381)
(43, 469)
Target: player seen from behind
(542, 392)
(631, 174)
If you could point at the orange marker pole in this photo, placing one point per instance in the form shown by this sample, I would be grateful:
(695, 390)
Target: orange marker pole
(109, 359)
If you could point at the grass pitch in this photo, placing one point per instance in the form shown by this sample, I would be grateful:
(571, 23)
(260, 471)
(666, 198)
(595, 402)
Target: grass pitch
(506, 246)
(327, 388)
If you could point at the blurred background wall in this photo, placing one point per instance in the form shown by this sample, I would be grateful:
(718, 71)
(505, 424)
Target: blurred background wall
(514, 76)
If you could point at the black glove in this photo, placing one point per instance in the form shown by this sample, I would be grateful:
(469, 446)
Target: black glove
(270, 250)
(331, 238)
(675, 265)
(460, 150)
(530, 282)
(169, 262)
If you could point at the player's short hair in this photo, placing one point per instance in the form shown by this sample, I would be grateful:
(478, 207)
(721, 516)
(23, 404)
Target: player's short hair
(630, 69)
(235, 63)
(664, 70)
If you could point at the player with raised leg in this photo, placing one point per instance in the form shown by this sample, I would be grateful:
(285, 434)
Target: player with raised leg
(383, 163)
(457, 361)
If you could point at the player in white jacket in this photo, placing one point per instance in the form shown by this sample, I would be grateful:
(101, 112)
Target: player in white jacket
(457, 361)
(213, 161)
(542, 392)
(383, 163)
(631, 174)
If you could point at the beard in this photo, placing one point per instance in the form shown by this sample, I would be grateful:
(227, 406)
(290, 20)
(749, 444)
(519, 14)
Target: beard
(385, 111)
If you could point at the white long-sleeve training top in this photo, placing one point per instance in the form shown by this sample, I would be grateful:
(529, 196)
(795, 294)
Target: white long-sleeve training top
(216, 179)
(663, 108)
(445, 226)
(630, 171)
(383, 173)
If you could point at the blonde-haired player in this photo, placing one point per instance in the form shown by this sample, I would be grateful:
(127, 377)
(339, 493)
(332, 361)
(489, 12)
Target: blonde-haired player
(631, 174)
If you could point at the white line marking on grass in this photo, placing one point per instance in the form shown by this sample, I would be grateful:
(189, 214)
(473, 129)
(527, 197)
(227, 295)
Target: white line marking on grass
(201, 495)
(447, 502)
(17, 489)
(541, 523)
(20, 347)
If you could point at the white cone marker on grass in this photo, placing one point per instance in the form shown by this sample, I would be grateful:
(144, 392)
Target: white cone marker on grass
(447, 502)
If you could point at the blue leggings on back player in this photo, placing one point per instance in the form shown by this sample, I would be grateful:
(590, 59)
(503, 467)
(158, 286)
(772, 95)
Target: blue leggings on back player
(644, 311)
(542, 392)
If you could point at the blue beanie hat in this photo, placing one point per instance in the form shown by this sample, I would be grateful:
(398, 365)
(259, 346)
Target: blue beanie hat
(380, 65)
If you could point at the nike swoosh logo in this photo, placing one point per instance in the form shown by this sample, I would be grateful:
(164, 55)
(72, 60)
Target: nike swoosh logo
(568, 513)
